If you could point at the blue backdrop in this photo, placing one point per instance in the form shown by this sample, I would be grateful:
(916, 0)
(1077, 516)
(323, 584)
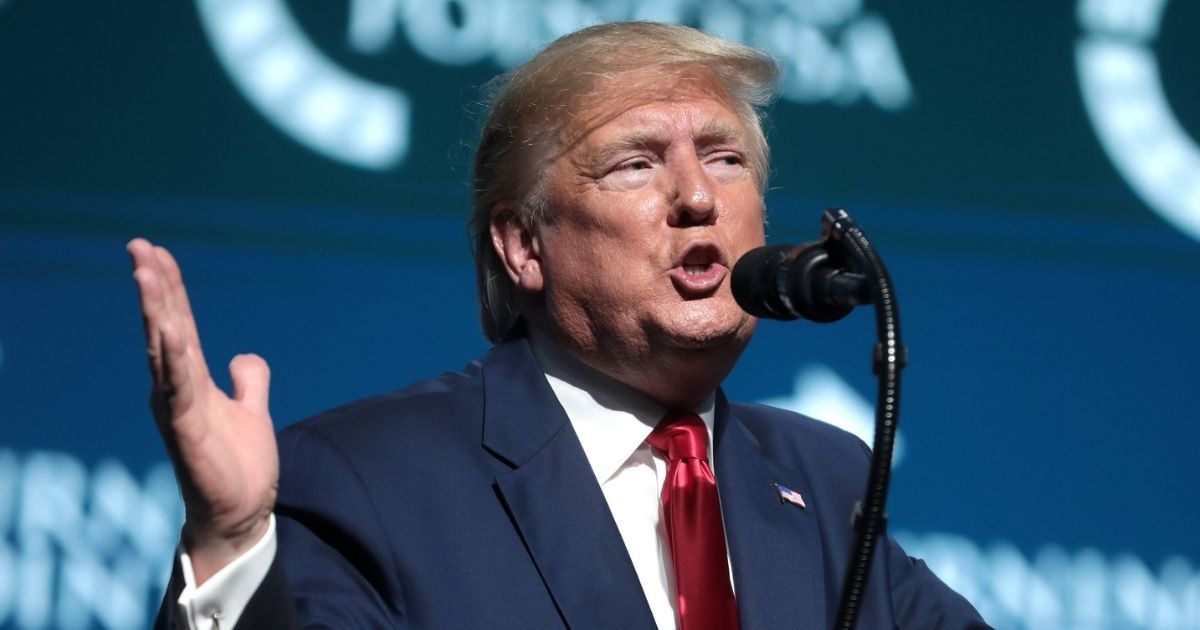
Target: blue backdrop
(1029, 170)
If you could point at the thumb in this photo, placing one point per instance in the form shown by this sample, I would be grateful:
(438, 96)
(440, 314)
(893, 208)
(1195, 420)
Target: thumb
(251, 380)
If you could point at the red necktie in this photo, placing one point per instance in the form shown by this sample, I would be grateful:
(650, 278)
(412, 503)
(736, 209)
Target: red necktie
(692, 515)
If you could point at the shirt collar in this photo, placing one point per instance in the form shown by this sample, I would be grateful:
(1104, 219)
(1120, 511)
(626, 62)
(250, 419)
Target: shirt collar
(611, 419)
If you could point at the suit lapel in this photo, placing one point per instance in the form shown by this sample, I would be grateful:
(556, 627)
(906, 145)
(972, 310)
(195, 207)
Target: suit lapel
(553, 498)
(775, 547)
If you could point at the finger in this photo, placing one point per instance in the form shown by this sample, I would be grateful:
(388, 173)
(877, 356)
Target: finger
(151, 301)
(178, 390)
(142, 255)
(150, 296)
(144, 261)
(147, 272)
(169, 331)
(179, 308)
(251, 380)
(176, 293)
(138, 250)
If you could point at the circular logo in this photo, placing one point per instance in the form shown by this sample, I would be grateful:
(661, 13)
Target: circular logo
(1123, 93)
(303, 92)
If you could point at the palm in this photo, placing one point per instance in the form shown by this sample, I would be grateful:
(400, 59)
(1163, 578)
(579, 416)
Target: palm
(227, 450)
(223, 448)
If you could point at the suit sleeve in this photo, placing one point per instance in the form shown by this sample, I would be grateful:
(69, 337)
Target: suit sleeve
(271, 607)
(920, 600)
(334, 559)
(221, 602)
(330, 566)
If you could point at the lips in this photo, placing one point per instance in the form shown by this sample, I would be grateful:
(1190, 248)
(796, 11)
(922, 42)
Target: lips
(699, 270)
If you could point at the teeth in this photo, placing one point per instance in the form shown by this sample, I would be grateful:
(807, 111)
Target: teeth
(694, 270)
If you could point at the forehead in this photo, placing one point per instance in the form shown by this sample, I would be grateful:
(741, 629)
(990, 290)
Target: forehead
(653, 99)
(658, 126)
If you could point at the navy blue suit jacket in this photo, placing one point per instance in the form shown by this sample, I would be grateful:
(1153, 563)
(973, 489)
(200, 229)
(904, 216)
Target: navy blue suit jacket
(467, 502)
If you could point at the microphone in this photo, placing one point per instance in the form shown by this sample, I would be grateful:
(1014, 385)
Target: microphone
(823, 282)
(813, 281)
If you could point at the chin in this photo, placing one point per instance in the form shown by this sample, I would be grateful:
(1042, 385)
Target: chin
(697, 360)
(712, 334)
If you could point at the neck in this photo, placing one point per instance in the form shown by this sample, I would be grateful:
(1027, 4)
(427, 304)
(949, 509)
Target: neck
(676, 378)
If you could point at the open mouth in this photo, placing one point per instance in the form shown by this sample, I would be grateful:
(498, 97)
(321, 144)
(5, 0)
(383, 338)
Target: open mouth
(699, 270)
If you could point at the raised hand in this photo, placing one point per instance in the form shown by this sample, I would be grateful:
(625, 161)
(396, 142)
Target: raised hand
(223, 448)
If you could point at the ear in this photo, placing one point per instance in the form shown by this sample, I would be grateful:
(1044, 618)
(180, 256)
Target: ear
(517, 246)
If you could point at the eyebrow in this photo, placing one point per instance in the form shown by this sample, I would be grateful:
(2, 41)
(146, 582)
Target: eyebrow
(713, 132)
(631, 141)
(720, 132)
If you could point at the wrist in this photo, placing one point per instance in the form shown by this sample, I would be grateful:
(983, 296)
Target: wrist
(212, 549)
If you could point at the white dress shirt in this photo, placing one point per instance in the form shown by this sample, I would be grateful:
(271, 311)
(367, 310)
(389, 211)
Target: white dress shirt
(218, 603)
(612, 421)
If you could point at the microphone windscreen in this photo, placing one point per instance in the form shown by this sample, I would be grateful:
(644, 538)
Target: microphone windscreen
(754, 282)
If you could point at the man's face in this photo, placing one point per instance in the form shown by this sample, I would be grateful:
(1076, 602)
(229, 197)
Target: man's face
(649, 211)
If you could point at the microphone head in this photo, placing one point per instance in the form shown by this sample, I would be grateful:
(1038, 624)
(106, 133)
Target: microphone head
(755, 282)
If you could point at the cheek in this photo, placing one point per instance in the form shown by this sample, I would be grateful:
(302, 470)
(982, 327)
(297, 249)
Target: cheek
(749, 225)
(742, 236)
(587, 270)
(745, 223)
(756, 234)
(628, 236)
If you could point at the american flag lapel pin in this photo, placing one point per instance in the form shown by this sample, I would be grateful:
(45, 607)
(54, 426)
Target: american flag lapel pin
(787, 495)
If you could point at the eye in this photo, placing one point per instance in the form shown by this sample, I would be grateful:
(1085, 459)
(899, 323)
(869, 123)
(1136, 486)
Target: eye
(630, 174)
(634, 165)
(727, 159)
(726, 165)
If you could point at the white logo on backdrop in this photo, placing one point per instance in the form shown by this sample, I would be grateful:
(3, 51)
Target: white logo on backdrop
(306, 94)
(832, 51)
(83, 548)
(1123, 93)
(1054, 587)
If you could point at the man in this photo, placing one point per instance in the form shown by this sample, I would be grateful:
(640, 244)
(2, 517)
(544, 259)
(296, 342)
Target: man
(566, 479)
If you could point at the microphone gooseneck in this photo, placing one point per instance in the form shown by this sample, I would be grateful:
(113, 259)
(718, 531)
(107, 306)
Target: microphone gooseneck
(823, 282)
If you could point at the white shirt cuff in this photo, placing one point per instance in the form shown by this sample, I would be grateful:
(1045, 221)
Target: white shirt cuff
(218, 603)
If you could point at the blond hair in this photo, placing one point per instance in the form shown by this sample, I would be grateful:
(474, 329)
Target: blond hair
(532, 106)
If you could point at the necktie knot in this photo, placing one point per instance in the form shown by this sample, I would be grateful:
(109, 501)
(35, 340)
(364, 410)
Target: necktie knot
(681, 437)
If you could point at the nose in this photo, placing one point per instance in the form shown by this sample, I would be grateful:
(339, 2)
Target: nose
(694, 194)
